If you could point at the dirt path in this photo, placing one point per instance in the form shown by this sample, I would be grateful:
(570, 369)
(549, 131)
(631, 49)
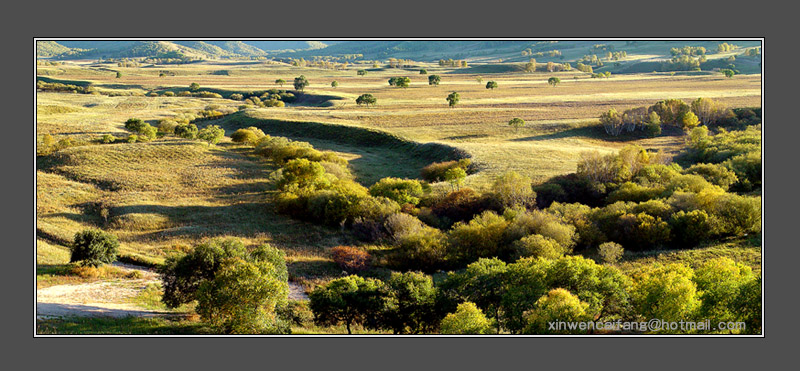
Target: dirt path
(109, 298)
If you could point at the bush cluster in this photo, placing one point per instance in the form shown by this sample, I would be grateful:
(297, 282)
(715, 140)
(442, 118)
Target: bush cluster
(491, 296)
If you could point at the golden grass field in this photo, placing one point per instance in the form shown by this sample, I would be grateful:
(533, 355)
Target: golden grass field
(163, 196)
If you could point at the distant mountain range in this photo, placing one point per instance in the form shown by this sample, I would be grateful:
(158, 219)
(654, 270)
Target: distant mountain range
(190, 49)
(647, 55)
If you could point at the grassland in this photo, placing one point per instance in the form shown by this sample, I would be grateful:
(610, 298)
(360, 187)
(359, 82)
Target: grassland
(166, 195)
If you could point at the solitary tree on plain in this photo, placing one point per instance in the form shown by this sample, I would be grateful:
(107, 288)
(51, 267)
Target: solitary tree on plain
(300, 83)
(361, 72)
(334, 84)
(194, 86)
(423, 72)
(119, 74)
(453, 98)
(434, 80)
(491, 85)
(280, 82)
(402, 82)
(365, 99)
(727, 72)
(516, 123)
(553, 81)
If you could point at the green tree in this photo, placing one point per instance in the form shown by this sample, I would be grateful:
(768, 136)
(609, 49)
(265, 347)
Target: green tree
(93, 247)
(119, 74)
(187, 131)
(280, 82)
(604, 288)
(665, 292)
(211, 134)
(747, 305)
(334, 84)
(553, 81)
(557, 306)
(411, 306)
(453, 98)
(194, 86)
(455, 177)
(300, 83)
(361, 72)
(434, 79)
(349, 300)
(653, 125)
(400, 82)
(689, 121)
(134, 124)
(181, 275)
(719, 282)
(423, 72)
(516, 123)
(402, 191)
(727, 72)
(482, 283)
(365, 99)
(468, 319)
(491, 85)
(243, 296)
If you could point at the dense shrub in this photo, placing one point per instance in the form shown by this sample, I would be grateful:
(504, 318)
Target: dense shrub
(187, 131)
(579, 216)
(482, 237)
(462, 205)
(690, 228)
(603, 288)
(719, 282)
(610, 252)
(640, 231)
(93, 247)
(402, 191)
(630, 191)
(483, 282)
(107, 138)
(411, 306)
(167, 126)
(559, 305)
(436, 171)
(512, 189)
(568, 189)
(666, 292)
(715, 174)
(247, 135)
(301, 173)
(468, 319)
(349, 300)
(211, 134)
(526, 222)
(539, 246)
(350, 258)
(424, 249)
(400, 225)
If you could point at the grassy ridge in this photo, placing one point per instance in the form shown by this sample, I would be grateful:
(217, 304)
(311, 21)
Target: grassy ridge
(373, 154)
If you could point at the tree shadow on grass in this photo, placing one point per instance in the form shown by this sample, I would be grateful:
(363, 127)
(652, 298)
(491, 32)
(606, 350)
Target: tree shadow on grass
(582, 132)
